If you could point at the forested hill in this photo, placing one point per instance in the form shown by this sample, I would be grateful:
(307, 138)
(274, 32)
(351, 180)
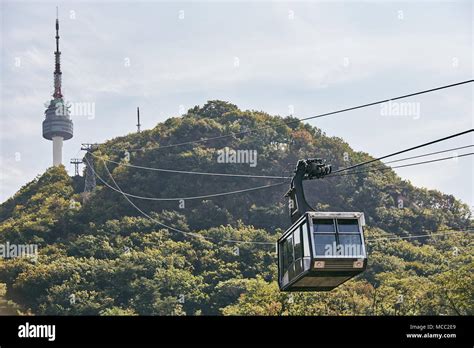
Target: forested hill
(103, 256)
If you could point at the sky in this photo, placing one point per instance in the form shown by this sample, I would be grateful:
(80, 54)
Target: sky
(301, 58)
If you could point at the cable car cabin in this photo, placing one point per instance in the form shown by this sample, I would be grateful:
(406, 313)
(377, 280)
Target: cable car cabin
(321, 250)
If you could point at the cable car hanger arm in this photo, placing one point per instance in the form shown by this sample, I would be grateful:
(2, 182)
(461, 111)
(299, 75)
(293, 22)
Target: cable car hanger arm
(306, 169)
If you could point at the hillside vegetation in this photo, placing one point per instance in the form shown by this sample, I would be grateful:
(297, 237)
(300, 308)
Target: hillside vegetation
(101, 256)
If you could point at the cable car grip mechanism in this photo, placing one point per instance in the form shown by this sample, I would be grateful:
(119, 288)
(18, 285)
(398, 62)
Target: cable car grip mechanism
(306, 169)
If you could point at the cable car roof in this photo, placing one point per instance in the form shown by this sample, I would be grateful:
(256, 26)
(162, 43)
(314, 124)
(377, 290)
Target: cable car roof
(338, 214)
(335, 214)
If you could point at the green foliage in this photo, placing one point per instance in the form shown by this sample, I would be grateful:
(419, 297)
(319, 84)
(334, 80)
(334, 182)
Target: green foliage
(102, 257)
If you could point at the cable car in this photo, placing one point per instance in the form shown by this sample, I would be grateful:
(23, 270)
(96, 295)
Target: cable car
(321, 250)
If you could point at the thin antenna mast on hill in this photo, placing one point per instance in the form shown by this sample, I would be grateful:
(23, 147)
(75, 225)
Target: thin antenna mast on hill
(138, 119)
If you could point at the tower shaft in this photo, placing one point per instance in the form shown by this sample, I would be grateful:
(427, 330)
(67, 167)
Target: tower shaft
(57, 151)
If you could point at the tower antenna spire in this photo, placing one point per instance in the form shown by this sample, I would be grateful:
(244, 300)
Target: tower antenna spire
(57, 66)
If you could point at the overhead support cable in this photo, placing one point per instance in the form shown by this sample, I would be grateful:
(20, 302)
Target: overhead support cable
(405, 150)
(188, 198)
(233, 134)
(250, 176)
(187, 233)
(234, 241)
(401, 166)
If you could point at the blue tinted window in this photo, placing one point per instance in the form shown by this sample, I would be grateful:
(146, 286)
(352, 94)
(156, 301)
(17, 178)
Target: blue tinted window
(351, 244)
(323, 225)
(323, 243)
(298, 245)
(349, 239)
(289, 250)
(284, 256)
(348, 225)
(304, 230)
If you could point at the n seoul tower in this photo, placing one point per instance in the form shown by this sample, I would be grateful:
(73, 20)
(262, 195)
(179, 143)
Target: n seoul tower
(57, 125)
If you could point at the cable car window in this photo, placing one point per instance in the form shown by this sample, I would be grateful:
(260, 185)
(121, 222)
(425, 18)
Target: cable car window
(351, 244)
(304, 231)
(291, 257)
(289, 249)
(284, 256)
(324, 226)
(348, 225)
(297, 243)
(349, 239)
(324, 244)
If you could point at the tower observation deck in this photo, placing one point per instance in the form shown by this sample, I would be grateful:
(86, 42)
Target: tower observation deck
(57, 125)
